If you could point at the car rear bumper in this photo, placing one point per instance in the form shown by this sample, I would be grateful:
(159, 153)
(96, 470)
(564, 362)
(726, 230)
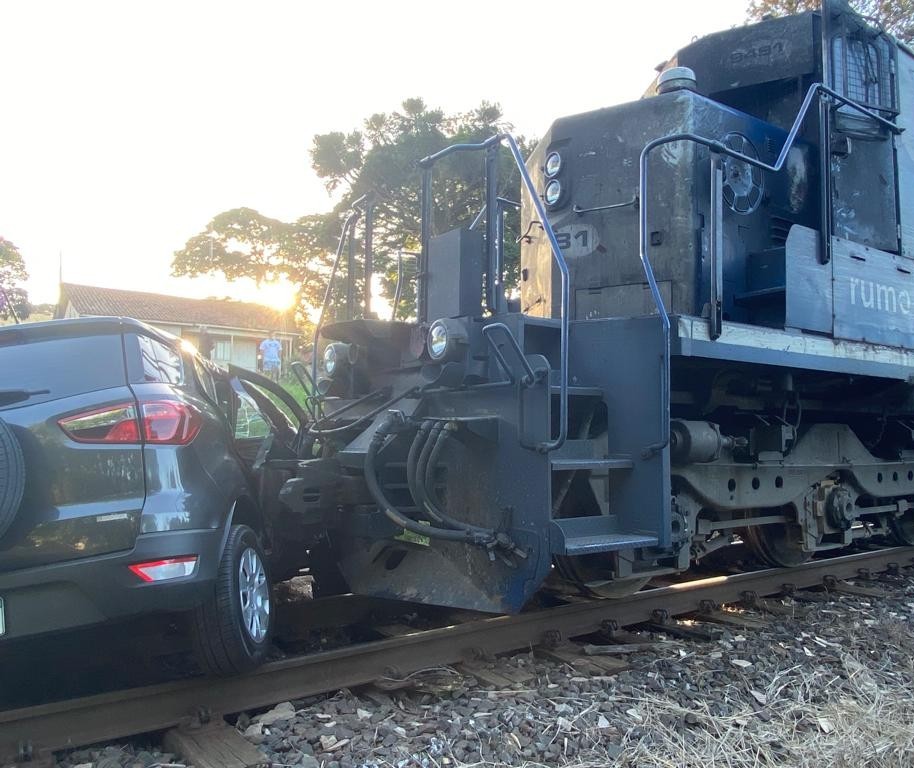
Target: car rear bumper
(72, 594)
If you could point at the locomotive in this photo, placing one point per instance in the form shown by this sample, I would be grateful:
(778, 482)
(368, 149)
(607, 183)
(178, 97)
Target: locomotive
(712, 340)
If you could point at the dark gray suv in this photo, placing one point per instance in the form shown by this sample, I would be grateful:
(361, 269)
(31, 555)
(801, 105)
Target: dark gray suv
(134, 478)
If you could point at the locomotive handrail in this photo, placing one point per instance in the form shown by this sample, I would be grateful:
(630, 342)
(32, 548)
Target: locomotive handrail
(502, 201)
(348, 228)
(398, 290)
(426, 164)
(559, 257)
(429, 160)
(495, 289)
(816, 89)
(312, 400)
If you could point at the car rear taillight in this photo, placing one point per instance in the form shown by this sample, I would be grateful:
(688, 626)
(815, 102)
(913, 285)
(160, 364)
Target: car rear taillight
(161, 422)
(163, 570)
(168, 422)
(114, 424)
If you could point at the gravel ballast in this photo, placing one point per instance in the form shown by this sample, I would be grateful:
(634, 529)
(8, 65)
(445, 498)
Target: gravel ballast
(831, 687)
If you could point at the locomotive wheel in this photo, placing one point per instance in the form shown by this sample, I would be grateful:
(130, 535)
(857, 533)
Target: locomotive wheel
(777, 545)
(902, 529)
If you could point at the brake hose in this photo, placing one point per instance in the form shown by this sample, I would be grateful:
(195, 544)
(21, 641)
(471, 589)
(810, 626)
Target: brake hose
(423, 498)
(412, 462)
(391, 512)
(426, 481)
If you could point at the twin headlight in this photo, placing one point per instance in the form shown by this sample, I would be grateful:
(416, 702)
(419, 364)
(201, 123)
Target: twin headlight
(553, 165)
(552, 194)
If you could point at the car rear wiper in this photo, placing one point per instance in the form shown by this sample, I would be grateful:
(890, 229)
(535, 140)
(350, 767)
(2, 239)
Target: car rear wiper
(10, 396)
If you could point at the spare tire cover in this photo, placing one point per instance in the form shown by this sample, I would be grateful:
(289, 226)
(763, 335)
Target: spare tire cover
(12, 476)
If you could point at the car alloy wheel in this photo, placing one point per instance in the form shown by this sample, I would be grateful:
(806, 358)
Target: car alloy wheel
(231, 629)
(254, 593)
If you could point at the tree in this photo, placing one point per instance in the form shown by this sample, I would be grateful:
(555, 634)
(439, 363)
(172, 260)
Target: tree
(380, 160)
(894, 16)
(243, 243)
(14, 301)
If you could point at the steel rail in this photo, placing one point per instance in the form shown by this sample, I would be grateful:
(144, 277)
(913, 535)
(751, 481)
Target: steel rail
(108, 716)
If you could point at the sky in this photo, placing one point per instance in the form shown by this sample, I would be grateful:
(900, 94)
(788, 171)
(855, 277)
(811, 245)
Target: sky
(127, 126)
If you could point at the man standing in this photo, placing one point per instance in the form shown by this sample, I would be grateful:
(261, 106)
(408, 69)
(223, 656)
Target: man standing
(271, 350)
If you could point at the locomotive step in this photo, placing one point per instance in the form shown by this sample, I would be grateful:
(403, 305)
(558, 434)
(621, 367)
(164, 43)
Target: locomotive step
(576, 536)
(587, 455)
(555, 389)
(569, 465)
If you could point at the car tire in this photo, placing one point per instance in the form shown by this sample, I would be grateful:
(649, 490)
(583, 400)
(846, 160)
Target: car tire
(12, 476)
(232, 629)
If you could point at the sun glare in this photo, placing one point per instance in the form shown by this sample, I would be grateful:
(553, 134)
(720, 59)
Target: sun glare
(279, 295)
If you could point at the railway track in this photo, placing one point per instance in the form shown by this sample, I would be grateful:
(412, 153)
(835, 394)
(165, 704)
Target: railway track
(87, 720)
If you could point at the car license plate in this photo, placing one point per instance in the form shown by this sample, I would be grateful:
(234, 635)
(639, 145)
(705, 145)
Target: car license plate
(2, 618)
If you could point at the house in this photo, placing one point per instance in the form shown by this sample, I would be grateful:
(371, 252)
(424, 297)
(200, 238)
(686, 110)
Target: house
(231, 330)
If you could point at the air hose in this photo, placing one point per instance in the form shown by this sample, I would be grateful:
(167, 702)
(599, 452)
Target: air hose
(388, 427)
(425, 436)
(428, 462)
(421, 463)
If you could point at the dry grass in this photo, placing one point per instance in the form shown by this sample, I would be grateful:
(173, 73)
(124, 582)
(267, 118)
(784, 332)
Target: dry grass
(855, 714)
(811, 717)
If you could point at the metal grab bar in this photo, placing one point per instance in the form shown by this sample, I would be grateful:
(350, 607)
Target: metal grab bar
(529, 374)
(816, 89)
(426, 164)
(612, 206)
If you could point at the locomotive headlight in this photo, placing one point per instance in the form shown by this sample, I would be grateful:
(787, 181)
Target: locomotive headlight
(337, 358)
(553, 192)
(330, 360)
(447, 339)
(437, 340)
(553, 164)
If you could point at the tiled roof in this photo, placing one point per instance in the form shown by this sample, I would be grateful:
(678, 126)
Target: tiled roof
(157, 307)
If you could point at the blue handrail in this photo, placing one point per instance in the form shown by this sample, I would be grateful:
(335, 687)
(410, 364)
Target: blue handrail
(565, 307)
(348, 227)
(426, 164)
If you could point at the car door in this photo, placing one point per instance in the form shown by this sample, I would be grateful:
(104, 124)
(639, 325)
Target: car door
(270, 435)
(278, 411)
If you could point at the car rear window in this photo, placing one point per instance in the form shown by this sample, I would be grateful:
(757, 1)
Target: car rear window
(63, 366)
(161, 363)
